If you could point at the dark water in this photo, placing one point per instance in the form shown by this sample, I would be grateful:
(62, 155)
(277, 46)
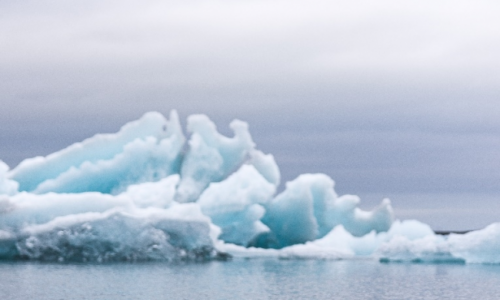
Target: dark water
(249, 279)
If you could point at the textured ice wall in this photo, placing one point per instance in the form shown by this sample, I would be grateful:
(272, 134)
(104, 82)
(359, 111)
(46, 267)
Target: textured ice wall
(143, 223)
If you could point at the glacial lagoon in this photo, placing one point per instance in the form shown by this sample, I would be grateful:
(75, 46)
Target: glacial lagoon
(249, 279)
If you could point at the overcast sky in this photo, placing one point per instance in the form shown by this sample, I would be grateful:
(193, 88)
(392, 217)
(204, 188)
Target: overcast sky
(393, 99)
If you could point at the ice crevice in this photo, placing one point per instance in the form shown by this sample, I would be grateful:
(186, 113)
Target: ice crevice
(152, 192)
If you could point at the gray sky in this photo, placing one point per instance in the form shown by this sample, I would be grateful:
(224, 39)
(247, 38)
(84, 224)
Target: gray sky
(390, 98)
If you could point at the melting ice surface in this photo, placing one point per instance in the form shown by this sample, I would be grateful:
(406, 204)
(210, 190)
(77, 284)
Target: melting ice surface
(148, 192)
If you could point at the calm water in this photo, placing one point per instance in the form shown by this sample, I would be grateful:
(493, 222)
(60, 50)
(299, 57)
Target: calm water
(249, 279)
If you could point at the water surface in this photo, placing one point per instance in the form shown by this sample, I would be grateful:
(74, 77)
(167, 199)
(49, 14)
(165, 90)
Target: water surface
(249, 279)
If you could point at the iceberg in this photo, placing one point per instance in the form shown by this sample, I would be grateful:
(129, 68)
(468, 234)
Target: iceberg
(152, 192)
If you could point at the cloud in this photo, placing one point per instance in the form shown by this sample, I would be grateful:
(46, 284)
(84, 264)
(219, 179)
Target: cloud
(381, 95)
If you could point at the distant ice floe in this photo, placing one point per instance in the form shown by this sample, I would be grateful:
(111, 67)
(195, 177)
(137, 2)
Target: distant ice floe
(149, 193)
